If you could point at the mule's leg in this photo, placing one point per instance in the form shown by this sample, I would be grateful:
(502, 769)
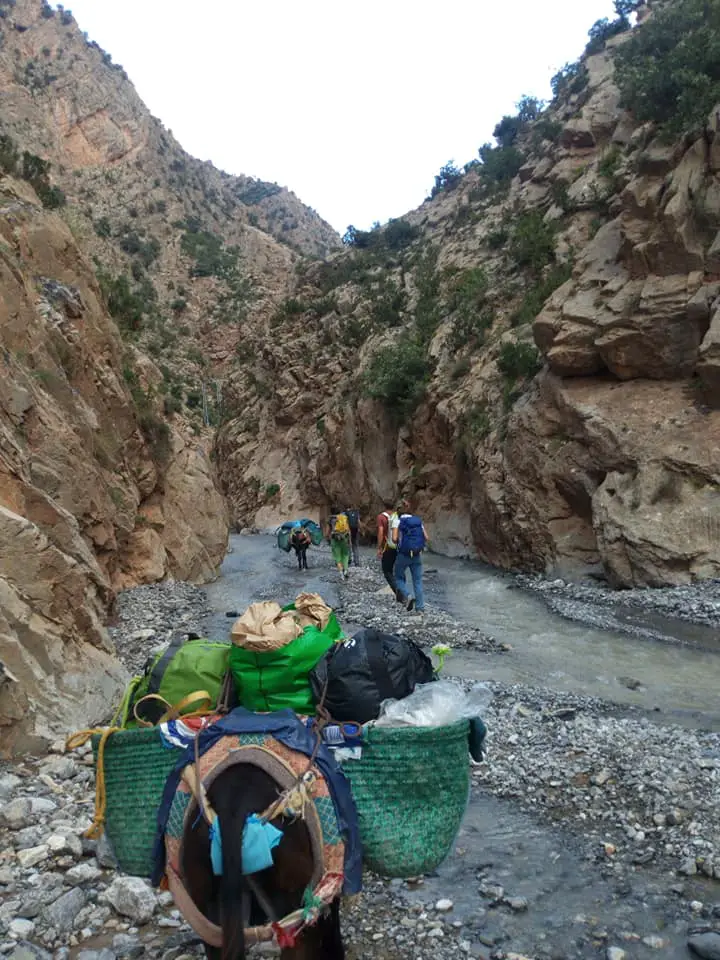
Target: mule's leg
(322, 941)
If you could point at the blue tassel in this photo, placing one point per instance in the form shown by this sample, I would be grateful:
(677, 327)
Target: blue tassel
(259, 840)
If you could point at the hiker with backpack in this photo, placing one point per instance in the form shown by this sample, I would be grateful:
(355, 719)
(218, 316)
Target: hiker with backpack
(300, 541)
(408, 532)
(339, 539)
(354, 524)
(386, 546)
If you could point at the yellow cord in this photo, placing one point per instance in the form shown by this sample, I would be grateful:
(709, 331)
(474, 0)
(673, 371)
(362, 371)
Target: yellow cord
(78, 740)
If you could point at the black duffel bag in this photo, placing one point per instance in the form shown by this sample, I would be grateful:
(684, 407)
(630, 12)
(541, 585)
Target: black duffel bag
(355, 676)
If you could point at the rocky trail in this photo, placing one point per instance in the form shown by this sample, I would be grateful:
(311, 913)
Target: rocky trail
(593, 828)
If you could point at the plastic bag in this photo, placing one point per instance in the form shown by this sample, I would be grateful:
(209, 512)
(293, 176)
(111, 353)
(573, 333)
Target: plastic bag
(435, 705)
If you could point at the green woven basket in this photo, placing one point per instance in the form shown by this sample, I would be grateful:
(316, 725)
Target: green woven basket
(411, 790)
(137, 765)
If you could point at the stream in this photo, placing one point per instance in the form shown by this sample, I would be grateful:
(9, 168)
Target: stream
(571, 903)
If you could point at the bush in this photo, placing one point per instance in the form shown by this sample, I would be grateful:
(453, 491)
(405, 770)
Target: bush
(212, 258)
(571, 79)
(397, 376)
(532, 242)
(272, 490)
(9, 155)
(102, 227)
(669, 71)
(399, 234)
(126, 305)
(602, 30)
(500, 164)
(475, 425)
(518, 360)
(536, 295)
(448, 178)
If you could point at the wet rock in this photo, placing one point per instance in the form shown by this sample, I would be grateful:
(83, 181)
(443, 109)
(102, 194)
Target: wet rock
(128, 946)
(706, 945)
(104, 954)
(133, 898)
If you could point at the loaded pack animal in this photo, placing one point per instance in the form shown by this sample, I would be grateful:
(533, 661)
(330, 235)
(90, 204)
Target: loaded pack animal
(235, 902)
(256, 837)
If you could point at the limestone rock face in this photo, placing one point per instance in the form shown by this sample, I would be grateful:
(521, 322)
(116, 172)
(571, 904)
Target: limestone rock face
(607, 461)
(55, 649)
(88, 501)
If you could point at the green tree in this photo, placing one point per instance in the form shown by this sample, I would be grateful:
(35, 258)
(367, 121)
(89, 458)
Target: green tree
(668, 72)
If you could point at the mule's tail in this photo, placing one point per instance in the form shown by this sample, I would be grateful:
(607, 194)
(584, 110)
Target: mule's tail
(233, 808)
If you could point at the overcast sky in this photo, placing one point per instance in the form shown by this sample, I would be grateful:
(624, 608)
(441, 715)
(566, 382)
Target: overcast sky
(352, 104)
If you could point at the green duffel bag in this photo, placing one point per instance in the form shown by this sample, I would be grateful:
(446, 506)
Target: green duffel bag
(278, 679)
(186, 677)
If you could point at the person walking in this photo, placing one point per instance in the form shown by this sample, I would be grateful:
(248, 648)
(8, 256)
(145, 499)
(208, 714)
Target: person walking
(339, 539)
(409, 533)
(300, 541)
(386, 546)
(354, 523)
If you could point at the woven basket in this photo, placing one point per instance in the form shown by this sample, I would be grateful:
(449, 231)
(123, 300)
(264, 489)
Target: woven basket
(411, 790)
(137, 765)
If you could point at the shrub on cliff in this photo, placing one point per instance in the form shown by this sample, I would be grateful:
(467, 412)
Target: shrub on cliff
(532, 242)
(668, 71)
(397, 376)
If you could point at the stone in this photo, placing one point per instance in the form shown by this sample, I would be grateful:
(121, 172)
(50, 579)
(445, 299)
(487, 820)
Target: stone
(128, 946)
(42, 805)
(31, 856)
(518, 904)
(29, 951)
(16, 814)
(8, 784)
(705, 945)
(615, 953)
(82, 873)
(65, 843)
(132, 898)
(104, 954)
(21, 929)
(61, 914)
(61, 768)
(443, 906)
(104, 853)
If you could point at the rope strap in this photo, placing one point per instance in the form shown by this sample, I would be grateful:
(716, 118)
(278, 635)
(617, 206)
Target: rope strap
(78, 740)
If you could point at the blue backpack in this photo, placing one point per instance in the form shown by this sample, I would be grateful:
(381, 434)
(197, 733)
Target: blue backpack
(411, 539)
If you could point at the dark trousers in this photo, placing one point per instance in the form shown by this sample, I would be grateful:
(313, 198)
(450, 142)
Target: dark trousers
(301, 554)
(355, 546)
(388, 567)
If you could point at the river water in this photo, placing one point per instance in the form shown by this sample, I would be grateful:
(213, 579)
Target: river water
(679, 680)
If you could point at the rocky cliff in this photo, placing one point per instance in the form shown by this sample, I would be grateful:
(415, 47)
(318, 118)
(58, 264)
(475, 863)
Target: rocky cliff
(532, 354)
(126, 271)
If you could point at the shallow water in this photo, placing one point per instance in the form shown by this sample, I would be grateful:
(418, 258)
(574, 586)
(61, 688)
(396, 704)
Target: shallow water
(677, 679)
(680, 680)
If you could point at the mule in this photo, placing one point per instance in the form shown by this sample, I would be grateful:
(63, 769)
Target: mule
(234, 901)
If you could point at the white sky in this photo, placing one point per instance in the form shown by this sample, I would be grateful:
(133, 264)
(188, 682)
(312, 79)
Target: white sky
(353, 104)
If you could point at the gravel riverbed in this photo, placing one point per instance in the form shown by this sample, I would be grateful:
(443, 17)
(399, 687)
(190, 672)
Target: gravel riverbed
(626, 806)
